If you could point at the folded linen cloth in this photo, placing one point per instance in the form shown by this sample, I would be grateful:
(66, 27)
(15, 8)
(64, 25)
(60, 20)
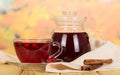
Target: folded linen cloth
(5, 57)
(105, 51)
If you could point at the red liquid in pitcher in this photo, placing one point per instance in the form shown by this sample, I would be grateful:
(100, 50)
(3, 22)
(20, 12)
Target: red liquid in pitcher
(29, 52)
(74, 44)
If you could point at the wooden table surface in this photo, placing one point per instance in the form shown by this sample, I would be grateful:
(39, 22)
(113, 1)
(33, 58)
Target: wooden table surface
(6, 69)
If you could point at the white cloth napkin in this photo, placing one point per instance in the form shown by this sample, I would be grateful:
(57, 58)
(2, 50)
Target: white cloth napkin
(106, 51)
(5, 57)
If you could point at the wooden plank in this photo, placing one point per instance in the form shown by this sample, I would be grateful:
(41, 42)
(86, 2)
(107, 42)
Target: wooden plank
(6, 69)
(109, 72)
(71, 73)
(81, 73)
(32, 72)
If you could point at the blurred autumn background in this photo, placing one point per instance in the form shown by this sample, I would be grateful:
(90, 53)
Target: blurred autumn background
(33, 18)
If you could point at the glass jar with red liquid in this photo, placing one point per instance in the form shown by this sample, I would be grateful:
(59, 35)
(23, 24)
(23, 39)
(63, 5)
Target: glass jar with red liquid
(70, 34)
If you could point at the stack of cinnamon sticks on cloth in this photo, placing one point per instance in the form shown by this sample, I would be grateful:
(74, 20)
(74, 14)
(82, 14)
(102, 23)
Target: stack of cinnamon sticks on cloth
(105, 57)
(91, 64)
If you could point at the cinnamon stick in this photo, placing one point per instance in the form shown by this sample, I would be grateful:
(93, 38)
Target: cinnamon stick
(97, 61)
(91, 64)
(90, 67)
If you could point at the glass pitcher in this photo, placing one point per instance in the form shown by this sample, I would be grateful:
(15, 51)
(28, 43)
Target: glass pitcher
(70, 34)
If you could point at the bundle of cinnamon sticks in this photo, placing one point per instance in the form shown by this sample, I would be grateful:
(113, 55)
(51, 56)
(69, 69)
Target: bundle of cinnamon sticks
(91, 64)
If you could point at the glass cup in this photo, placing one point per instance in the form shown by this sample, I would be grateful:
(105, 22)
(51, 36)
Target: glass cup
(35, 50)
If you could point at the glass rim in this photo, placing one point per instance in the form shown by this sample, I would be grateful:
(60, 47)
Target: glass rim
(31, 40)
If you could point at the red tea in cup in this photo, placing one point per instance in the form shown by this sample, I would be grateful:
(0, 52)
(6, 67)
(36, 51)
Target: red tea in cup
(32, 50)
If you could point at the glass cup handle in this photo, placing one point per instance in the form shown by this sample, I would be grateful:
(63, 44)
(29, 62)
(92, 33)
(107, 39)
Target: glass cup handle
(59, 51)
